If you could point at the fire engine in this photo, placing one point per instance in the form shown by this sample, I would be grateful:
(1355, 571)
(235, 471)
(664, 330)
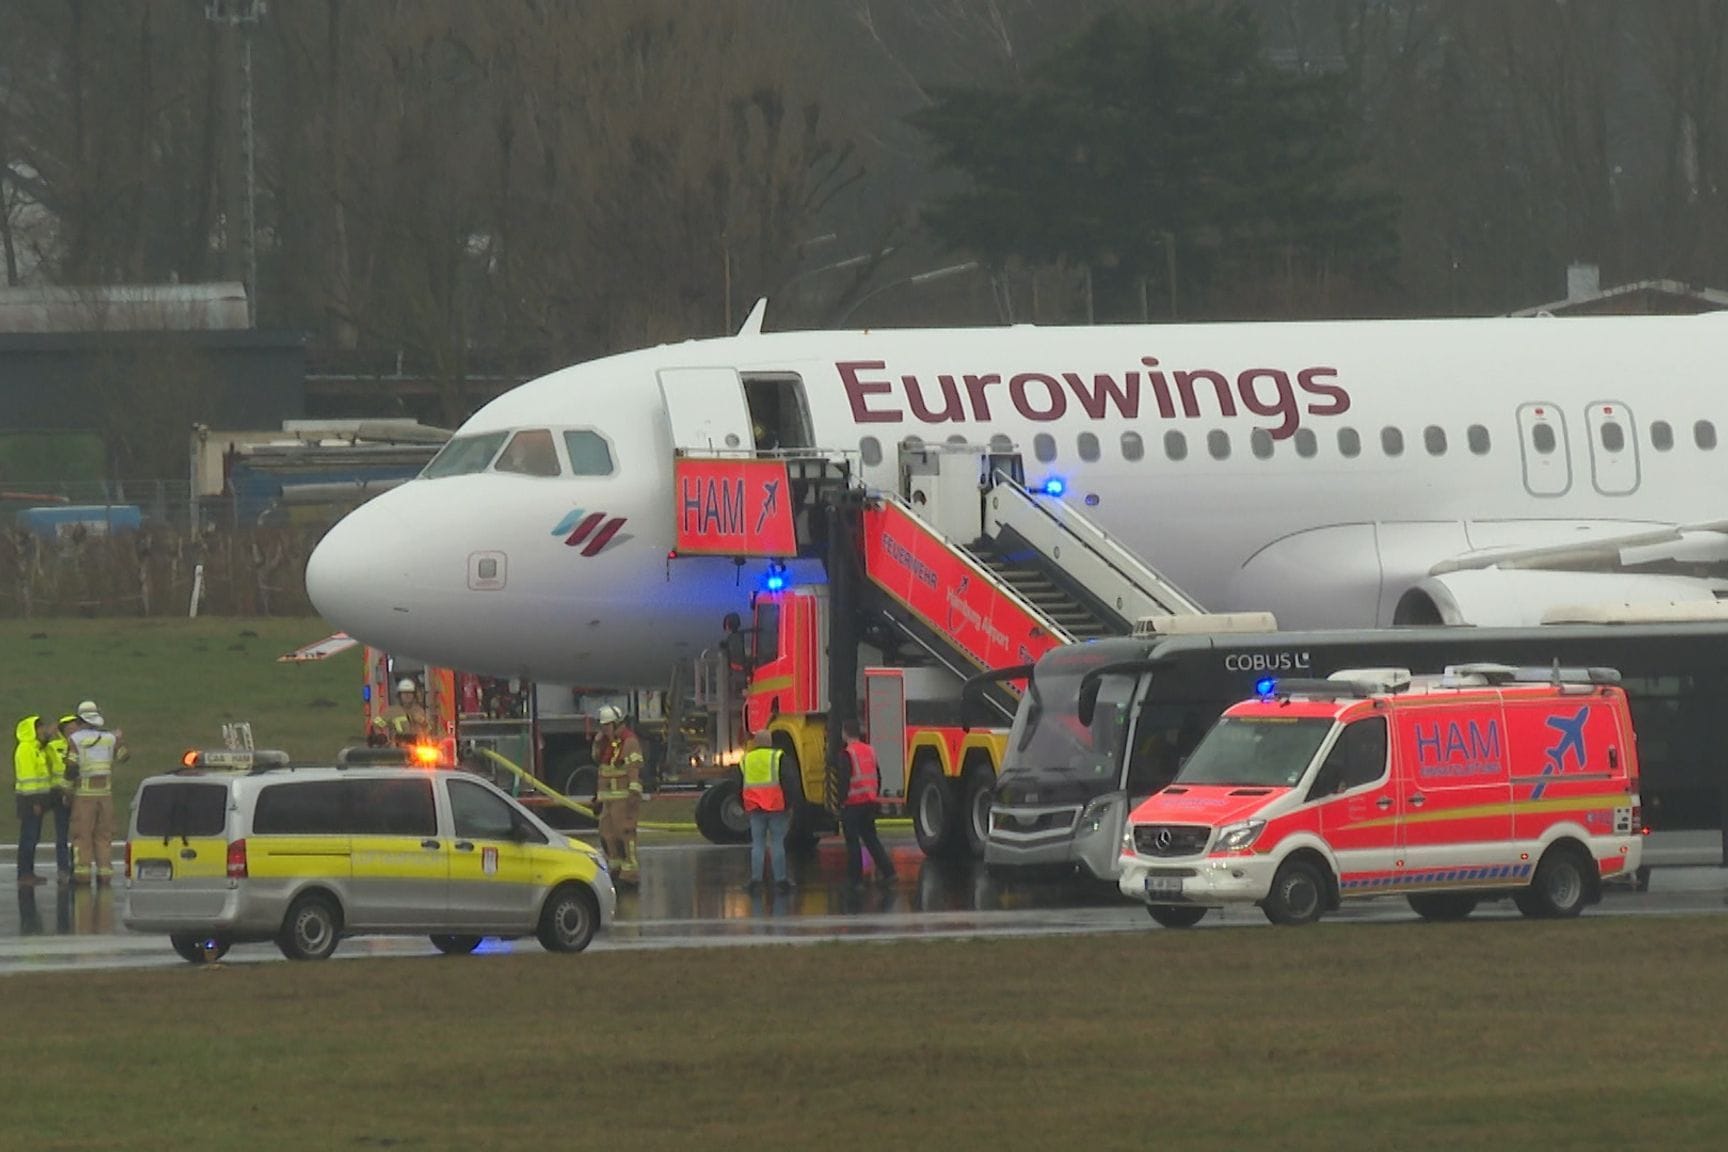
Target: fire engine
(542, 732)
(1487, 781)
(963, 569)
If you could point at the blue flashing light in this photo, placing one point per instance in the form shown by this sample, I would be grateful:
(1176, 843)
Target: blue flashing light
(775, 583)
(366, 693)
(775, 580)
(1265, 686)
(1054, 486)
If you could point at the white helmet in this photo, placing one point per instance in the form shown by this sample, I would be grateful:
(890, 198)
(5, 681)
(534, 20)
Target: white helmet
(406, 684)
(611, 714)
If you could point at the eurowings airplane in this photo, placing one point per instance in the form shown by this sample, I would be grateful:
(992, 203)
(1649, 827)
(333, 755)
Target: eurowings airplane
(1338, 474)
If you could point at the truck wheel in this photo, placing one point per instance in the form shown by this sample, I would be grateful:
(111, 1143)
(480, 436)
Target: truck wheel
(978, 787)
(1298, 894)
(199, 949)
(1176, 915)
(720, 815)
(455, 945)
(569, 920)
(935, 815)
(1441, 906)
(1560, 888)
(311, 929)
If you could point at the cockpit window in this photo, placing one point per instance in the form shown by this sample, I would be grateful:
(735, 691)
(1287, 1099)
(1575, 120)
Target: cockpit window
(530, 453)
(590, 455)
(465, 455)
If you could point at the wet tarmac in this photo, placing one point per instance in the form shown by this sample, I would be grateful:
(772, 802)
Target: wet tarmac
(693, 896)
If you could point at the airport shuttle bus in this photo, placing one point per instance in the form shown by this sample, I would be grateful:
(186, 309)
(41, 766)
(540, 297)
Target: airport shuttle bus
(1105, 724)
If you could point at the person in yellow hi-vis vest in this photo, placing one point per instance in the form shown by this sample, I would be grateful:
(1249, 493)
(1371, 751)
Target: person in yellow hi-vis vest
(618, 754)
(32, 784)
(97, 750)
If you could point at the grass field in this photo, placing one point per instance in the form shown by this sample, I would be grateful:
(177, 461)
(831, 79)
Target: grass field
(1598, 1033)
(170, 685)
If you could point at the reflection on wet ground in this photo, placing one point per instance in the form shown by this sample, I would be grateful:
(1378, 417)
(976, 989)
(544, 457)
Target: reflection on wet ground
(693, 894)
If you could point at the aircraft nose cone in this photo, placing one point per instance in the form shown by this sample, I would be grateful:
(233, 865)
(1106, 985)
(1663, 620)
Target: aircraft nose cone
(344, 579)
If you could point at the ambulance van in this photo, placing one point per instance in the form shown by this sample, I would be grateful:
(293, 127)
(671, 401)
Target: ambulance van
(1484, 782)
(304, 856)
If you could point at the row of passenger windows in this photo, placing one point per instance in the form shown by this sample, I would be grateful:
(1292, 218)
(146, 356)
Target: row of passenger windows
(1217, 442)
(529, 452)
(1305, 443)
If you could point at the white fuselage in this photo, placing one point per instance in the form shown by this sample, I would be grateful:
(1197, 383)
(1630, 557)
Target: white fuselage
(1316, 470)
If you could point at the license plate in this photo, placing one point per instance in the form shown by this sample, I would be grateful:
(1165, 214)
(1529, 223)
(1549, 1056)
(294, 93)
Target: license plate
(155, 869)
(1163, 886)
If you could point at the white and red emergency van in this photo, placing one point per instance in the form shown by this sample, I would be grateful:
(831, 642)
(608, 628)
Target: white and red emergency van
(1483, 782)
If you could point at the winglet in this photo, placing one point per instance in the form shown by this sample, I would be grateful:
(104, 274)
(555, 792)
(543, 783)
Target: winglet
(753, 322)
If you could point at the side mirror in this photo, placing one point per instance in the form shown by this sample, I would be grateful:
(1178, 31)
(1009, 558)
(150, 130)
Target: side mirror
(1088, 703)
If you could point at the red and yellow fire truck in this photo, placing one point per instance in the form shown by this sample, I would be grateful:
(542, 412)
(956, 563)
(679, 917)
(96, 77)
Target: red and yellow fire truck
(963, 570)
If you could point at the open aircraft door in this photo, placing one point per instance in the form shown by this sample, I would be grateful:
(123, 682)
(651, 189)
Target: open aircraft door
(706, 410)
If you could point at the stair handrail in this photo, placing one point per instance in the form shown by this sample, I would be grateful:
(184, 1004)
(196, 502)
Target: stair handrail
(1107, 548)
(1002, 587)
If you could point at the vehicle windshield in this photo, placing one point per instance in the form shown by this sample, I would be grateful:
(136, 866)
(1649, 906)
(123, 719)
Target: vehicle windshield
(465, 455)
(1048, 734)
(1256, 751)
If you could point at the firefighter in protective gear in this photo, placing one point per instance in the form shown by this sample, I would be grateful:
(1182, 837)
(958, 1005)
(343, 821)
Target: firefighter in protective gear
(618, 754)
(98, 750)
(404, 723)
(63, 778)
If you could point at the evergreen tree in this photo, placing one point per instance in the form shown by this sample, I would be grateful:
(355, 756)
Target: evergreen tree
(1163, 147)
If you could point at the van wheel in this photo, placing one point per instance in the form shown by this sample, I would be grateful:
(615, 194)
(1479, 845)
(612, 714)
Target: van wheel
(1176, 915)
(456, 945)
(199, 949)
(935, 816)
(1440, 906)
(1560, 888)
(720, 815)
(1298, 894)
(569, 920)
(978, 788)
(311, 929)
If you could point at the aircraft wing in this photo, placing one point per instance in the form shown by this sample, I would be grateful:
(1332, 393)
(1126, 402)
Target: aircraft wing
(1696, 550)
(1652, 572)
(323, 649)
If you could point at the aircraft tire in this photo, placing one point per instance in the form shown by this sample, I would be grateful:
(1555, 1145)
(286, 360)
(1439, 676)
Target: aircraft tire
(199, 949)
(720, 813)
(1176, 915)
(1443, 906)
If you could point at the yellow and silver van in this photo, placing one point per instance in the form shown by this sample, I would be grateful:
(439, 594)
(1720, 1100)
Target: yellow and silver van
(305, 856)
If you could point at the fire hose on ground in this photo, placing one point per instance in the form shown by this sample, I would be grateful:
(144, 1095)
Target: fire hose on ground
(564, 801)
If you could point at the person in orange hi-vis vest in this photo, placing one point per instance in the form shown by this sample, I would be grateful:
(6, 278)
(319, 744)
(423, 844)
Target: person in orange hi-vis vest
(618, 754)
(858, 813)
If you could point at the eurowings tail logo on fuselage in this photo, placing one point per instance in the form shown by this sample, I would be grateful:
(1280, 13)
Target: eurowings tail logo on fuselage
(592, 532)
